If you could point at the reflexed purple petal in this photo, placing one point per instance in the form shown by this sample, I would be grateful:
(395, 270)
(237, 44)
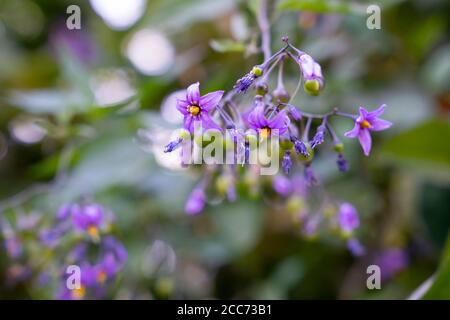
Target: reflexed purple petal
(280, 121)
(363, 113)
(379, 124)
(210, 100)
(256, 118)
(365, 140)
(378, 112)
(354, 132)
(193, 93)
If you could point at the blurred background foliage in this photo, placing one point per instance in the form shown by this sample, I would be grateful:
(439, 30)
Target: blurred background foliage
(86, 113)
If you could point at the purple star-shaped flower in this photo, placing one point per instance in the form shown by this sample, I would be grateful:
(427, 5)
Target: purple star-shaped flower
(196, 108)
(366, 122)
(258, 121)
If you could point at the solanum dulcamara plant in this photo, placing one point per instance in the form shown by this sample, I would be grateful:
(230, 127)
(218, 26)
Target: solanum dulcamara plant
(272, 114)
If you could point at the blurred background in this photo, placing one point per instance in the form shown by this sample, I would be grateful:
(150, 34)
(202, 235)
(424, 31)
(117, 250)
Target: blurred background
(86, 113)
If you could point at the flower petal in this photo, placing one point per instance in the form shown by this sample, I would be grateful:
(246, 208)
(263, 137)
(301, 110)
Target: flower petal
(210, 100)
(363, 113)
(182, 106)
(256, 118)
(365, 140)
(208, 123)
(354, 132)
(279, 121)
(379, 124)
(189, 123)
(193, 93)
(378, 112)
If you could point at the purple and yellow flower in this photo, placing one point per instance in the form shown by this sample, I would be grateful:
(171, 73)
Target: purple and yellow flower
(88, 218)
(266, 127)
(196, 108)
(365, 123)
(348, 218)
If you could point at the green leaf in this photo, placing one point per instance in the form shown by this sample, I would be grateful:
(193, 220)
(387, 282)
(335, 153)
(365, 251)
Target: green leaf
(440, 289)
(425, 148)
(323, 6)
(226, 45)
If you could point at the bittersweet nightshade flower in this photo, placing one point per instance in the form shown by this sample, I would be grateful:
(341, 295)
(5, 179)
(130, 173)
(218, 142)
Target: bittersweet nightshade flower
(319, 137)
(196, 201)
(264, 126)
(348, 218)
(287, 162)
(366, 122)
(391, 261)
(196, 108)
(88, 218)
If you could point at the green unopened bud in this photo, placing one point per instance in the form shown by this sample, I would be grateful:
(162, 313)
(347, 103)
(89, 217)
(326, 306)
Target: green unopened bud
(312, 87)
(339, 147)
(257, 71)
(222, 184)
(280, 94)
(262, 89)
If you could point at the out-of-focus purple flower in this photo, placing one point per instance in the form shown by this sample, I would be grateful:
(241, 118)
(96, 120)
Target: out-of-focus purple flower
(78, 42)
(17, 273)
(88, 218)
(111, 244)
(348, 218)
(282, 185)
(342, 163)
(311, 226)
(265, 127)
(309, 176)
(391, 261)
(13, 246)
(196, 201)
(286, 162)
(196, 108)
(312, 74)
(64, 211)
(51, 236)
(319, 137)
(27, 221)
(365, 123)
(355, 247)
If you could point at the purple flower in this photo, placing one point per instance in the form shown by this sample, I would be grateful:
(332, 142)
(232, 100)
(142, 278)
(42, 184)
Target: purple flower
(348, 218)
(391, 261)
(355, 247)
(196, 108)
(64, 211)
(366, 122)
(300, 147)
(196, 202)
(258, 121)
(282, 185)
(88, 218)
(318, 137)
(14, 247)
(312, 74)
(287, 162)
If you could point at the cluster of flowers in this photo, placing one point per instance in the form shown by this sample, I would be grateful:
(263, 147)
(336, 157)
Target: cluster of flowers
(270, 115)
(99, 255)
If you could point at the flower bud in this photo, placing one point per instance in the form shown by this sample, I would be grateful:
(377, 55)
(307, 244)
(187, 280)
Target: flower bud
(257, 71)
(262, 88)
(280, 94)
(312, 87)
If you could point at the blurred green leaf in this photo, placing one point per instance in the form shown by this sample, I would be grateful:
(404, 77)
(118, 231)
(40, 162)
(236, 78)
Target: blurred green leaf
(226, 45)
(440, 289)
(426, 148)
(322, 6)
